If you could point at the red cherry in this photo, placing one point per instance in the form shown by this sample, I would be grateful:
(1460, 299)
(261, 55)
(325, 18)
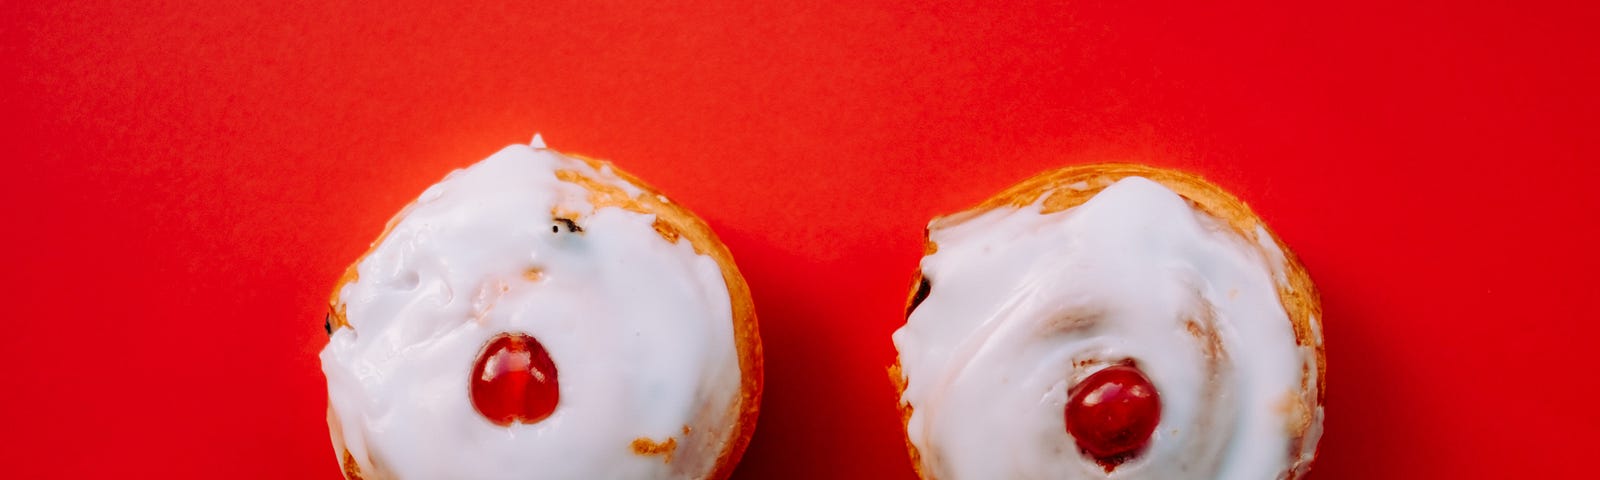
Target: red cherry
(1113, 412)
(514, 380)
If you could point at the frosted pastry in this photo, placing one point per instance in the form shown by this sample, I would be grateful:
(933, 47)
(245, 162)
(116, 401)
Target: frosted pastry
(540, 315)
(1110, 321)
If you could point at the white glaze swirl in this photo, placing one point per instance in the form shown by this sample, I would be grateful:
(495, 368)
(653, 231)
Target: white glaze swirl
(1023, 304)
(640, 329)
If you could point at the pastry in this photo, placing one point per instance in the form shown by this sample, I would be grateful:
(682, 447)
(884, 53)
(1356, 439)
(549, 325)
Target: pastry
(1110, 321)
(541, 315)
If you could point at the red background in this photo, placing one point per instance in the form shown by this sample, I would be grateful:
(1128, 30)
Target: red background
(186, 180)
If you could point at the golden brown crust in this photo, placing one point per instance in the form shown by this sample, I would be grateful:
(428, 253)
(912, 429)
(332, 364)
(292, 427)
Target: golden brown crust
(644, 446)
(673, 222)
(352, 471)
(1072, 186)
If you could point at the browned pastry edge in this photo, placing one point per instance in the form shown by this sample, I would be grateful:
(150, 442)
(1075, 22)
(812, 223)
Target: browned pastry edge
(1072, 186)
(673, 221)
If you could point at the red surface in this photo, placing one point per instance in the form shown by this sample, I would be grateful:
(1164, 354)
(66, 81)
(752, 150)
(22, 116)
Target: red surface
(186, 181)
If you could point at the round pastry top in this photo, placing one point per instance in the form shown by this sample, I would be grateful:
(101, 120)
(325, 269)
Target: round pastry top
(1020, 304)
(523, 246)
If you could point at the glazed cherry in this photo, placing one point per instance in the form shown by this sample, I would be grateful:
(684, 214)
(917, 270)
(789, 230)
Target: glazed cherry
(514, 380)
(1113, 413)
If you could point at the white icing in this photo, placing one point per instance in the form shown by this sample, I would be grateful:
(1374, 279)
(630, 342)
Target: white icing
(640, 331)
(1275, 258)
(1018, 298)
